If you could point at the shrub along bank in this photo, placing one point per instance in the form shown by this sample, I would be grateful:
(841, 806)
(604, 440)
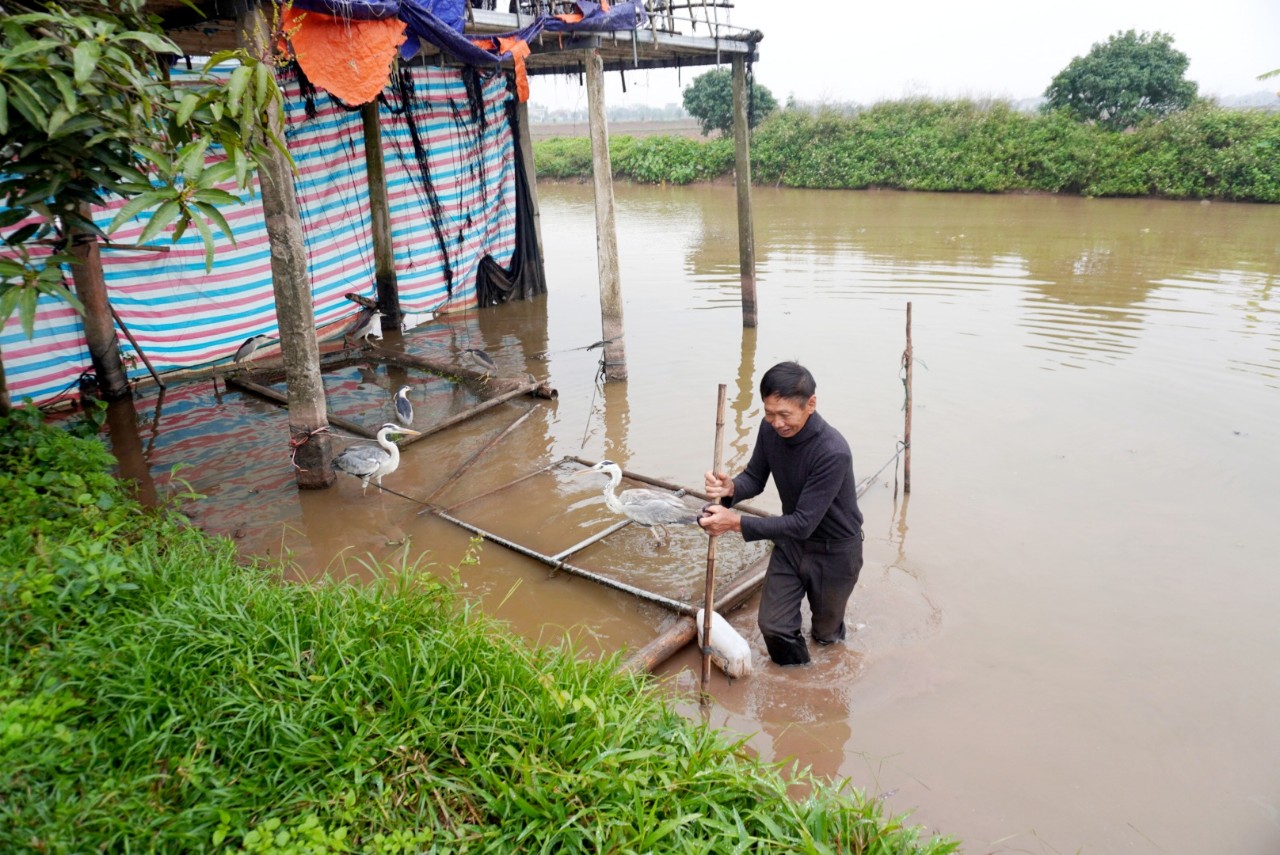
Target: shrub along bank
(157, 695)
(1202, 153)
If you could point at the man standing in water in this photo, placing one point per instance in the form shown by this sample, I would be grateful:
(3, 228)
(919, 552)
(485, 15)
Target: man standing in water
(817, 541)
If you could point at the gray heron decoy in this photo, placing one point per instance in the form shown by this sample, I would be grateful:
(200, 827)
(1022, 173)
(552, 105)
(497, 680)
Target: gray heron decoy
(653, 509)
(404, 407)
(482, 359)
(251, 344)
(364, 326)
(373, 461)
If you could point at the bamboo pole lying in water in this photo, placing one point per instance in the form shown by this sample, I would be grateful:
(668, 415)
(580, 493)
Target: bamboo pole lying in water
(685, 629)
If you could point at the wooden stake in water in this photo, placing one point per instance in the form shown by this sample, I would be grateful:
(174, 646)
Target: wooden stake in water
(709, 602)
(906, 431)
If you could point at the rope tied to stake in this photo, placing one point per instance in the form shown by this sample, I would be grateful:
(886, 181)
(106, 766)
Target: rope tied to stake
(298, 437)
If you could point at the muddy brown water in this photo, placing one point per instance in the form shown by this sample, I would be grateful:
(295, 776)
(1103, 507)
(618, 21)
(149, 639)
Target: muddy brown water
(1067, 634)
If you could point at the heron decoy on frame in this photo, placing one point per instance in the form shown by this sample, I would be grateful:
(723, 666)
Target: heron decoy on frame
(365, 326)
(484, 360)
(404, 407)
(373, 461)
(251, 344)
(653, 509)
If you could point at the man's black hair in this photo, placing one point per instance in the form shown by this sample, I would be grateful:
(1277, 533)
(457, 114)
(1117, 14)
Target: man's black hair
(789, 380)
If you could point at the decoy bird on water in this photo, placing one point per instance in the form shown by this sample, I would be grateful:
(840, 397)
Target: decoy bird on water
(252, 343)
(365, 326)
(404, 407)
(482, 359)
(373, 461)
(651, 508)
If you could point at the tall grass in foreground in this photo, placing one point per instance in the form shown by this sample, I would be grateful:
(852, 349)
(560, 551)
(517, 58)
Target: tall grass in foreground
(158, 695)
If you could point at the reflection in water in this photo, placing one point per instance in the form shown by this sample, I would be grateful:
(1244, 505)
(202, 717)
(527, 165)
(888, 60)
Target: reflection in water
(1071, 639)
(744, 414)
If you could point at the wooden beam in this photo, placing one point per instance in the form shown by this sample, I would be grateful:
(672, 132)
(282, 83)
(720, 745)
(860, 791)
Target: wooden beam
(611, 323)
(310, 443)
(742, 178)
(384, 256)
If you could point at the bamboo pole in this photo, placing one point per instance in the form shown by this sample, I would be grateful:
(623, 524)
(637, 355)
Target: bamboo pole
(611, 322)
(450, 368)
(461, 470)
(272, 395)
(685, 629)
(709, 600)
(498, 489)
(608, 582)
(742, 178)
(133, 341)
(472, 412)
(906, 431)
(384, 257)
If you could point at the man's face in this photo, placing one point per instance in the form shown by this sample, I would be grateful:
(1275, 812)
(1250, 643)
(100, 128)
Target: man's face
(788, 415)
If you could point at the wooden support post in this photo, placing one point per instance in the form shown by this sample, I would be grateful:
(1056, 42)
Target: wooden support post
(525, 141)
(742, 177)
(99, 329)
(310, 444)
(906, 431)
(384, 257)
(615, 356)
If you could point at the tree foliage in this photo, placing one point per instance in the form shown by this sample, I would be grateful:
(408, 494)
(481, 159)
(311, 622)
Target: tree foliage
(1119, 83)
(709, 99)
(87, 109)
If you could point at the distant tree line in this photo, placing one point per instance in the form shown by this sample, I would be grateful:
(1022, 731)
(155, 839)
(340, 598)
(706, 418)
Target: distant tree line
(1119, 121)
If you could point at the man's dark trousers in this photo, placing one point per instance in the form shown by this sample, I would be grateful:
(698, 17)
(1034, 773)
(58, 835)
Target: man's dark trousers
(824, 570)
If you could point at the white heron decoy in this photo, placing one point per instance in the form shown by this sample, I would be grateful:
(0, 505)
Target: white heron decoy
(252, 343)
(404, 407)
(365, 326)
(482, 359)
(373, 461)
(653, 509)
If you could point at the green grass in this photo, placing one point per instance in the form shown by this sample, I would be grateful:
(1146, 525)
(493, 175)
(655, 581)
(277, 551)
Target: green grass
(920, 144)
(158, 695)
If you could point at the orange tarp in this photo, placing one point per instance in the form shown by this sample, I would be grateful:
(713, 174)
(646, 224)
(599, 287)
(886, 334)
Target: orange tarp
(348, 59)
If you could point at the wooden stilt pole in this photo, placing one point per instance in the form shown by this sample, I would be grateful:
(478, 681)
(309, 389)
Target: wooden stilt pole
(615, 355)
(311, 447)
(525, 141)
(906, 430)
(709, 601)
(384, 257)
(742, 177)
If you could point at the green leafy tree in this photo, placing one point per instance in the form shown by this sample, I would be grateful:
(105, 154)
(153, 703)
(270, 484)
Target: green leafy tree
(709, 99)
(1119, 83)
(86, 109)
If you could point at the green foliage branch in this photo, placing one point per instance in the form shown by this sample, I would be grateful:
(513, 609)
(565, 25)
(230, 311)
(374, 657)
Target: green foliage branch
(1123, 81)
(709, 99)
(87, 109)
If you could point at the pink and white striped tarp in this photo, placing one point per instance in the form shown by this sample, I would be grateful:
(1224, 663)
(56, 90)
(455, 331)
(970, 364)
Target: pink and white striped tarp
(184, 316)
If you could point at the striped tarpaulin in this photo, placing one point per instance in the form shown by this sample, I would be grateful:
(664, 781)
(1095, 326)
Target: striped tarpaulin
(184, 316)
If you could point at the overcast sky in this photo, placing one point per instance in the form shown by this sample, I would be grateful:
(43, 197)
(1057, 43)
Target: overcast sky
(839, 51)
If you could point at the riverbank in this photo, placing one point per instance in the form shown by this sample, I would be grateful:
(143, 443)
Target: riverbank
(962, 146)
(158, 694)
